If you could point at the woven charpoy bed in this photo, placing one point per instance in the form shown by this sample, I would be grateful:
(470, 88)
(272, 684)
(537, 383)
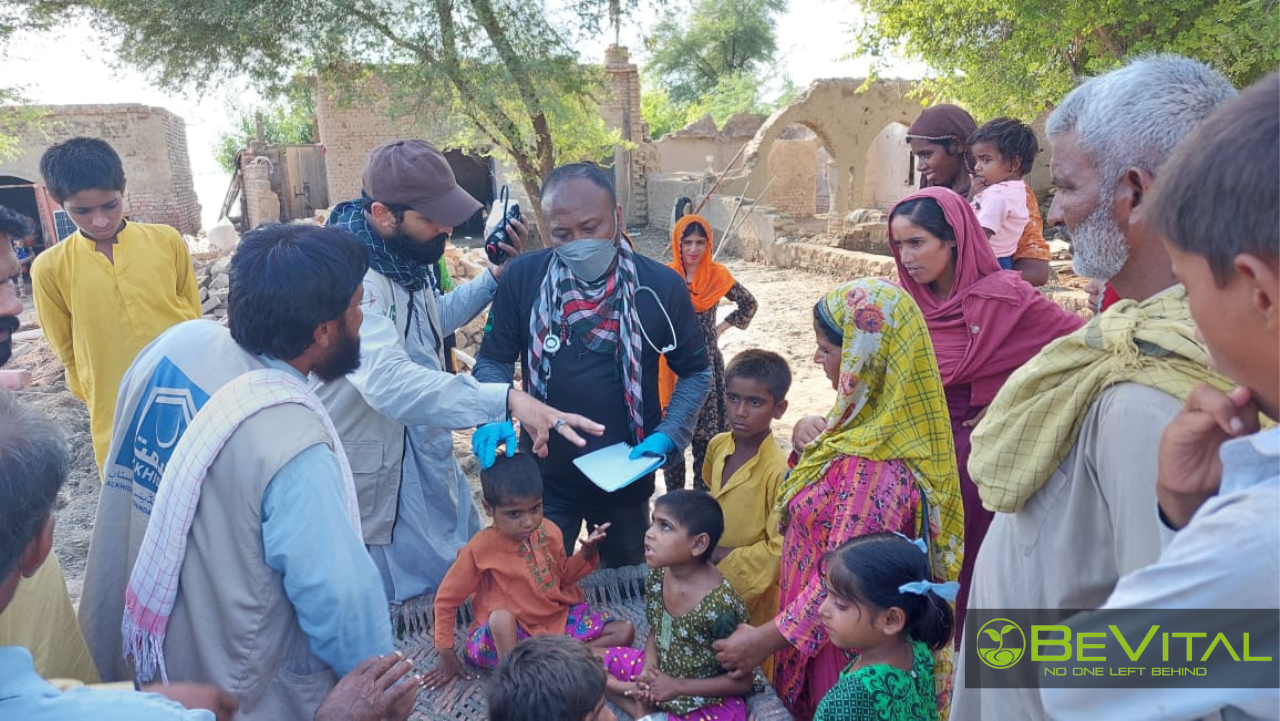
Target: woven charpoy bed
(620, 591)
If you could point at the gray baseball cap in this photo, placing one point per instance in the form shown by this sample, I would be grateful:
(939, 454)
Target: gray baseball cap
(414, 173)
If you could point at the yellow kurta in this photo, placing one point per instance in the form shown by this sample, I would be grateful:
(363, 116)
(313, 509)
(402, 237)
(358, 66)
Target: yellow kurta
(751, 521)
(97, 315)
(40, 619)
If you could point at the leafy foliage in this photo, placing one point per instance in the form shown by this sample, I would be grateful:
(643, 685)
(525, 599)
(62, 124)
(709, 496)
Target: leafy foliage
(1017, 57)
(16, 16)
(716, 61)
(719, 40)
(286, 122)
(662, 115)
(504, 71)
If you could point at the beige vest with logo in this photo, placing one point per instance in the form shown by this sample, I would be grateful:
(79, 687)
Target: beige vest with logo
(232, 624)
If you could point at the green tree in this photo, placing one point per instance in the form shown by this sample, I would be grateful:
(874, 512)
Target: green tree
(718, 41)
(1021, 56)
(288, 122)
(662, 115)
(505, 69)
(16, 17)
(733, 94)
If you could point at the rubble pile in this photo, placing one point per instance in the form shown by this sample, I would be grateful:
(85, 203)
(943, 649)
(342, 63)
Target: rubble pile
(465, 264)
(212, 275)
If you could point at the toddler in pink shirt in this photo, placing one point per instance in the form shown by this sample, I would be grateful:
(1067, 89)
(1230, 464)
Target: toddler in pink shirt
(1001, 152)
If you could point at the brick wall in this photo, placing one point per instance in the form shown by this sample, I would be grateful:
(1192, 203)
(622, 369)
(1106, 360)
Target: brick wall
(262, 204)
(152, 143)
(354, 121)
(794, 164)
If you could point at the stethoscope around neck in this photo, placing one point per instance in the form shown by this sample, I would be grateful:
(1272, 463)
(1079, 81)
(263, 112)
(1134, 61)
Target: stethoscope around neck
(552, 343)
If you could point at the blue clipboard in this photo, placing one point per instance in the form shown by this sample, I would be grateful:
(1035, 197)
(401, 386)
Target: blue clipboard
(611, 469)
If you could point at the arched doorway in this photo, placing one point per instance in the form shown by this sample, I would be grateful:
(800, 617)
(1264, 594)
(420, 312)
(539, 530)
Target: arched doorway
(889, 168)
(803, 182)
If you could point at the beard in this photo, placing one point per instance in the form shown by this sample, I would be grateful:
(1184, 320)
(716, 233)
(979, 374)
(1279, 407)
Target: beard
(342, 358)
(8, 325)
(1098, 246)
(427, 253)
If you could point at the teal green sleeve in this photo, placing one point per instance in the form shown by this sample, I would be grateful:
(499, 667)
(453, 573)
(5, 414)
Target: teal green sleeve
(848, 700)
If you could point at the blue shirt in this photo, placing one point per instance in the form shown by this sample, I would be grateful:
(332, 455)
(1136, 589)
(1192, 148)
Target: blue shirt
(330, 579)
(1227, 557)
(26, 696)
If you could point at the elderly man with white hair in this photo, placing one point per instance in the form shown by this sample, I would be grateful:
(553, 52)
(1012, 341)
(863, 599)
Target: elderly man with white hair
(1066, 455)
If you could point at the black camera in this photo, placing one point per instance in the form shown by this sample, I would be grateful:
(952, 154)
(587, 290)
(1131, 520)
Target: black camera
(497, 255)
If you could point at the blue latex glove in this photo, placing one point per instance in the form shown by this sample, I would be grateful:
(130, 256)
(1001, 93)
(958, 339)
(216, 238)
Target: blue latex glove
(655, 445)
(487, 438)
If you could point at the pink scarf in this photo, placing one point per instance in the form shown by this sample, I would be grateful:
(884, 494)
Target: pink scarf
(993, 321)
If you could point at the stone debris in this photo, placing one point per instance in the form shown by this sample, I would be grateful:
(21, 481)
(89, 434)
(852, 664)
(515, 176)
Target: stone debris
(463, 264)
(212, 275)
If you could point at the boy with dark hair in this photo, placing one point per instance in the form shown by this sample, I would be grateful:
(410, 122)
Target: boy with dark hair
(743, 470)
(1217, 480)
(523, 583)
(14, 225)
(549, 678)
(109, 288)
(1001, 152)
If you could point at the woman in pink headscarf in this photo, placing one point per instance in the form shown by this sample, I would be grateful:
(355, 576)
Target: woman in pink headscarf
(984, 322)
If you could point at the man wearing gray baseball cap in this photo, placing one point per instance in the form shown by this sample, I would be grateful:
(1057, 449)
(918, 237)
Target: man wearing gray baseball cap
(396, 414)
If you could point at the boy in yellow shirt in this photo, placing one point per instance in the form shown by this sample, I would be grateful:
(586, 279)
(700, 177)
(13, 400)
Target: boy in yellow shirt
(110, 288)
(743, 470)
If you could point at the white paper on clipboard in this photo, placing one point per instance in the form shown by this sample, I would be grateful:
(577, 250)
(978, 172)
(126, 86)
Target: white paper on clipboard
(611, 469)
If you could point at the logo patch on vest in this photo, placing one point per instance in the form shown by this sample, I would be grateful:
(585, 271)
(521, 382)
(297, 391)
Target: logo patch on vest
(169, 403)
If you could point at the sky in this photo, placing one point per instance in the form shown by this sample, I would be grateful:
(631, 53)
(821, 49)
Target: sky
(77, 66)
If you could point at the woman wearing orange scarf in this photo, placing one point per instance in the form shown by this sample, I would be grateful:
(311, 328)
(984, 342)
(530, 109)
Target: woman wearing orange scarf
(708, 282)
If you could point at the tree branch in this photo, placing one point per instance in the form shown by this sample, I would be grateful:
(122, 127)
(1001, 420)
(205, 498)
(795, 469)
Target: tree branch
(1105, 36)
(422, 53)
(524, 82)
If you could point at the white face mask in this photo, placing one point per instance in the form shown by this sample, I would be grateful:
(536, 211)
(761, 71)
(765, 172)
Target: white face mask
(589, 259)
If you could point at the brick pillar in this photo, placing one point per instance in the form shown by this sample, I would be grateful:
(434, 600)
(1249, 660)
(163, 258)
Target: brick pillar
(622, 112)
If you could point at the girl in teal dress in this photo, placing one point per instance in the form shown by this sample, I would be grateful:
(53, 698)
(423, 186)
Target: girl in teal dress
(882, 608)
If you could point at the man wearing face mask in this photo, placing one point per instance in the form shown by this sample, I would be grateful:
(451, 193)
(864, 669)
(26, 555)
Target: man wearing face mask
(588, 319)
(397, 412)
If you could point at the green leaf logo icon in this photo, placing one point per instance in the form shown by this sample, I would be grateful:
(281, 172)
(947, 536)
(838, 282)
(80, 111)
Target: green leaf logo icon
(1001, 643)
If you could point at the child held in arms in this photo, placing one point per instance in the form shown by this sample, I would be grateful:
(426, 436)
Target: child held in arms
(1002, 151)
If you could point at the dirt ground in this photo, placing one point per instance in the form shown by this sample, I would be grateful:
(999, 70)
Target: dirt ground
(782, 324)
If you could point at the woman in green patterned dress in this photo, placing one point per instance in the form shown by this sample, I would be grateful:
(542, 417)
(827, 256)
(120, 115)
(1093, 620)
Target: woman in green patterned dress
(688, 605)
(882, 607)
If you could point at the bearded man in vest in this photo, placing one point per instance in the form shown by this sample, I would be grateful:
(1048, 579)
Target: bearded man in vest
(397, 413)
(227, 544)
